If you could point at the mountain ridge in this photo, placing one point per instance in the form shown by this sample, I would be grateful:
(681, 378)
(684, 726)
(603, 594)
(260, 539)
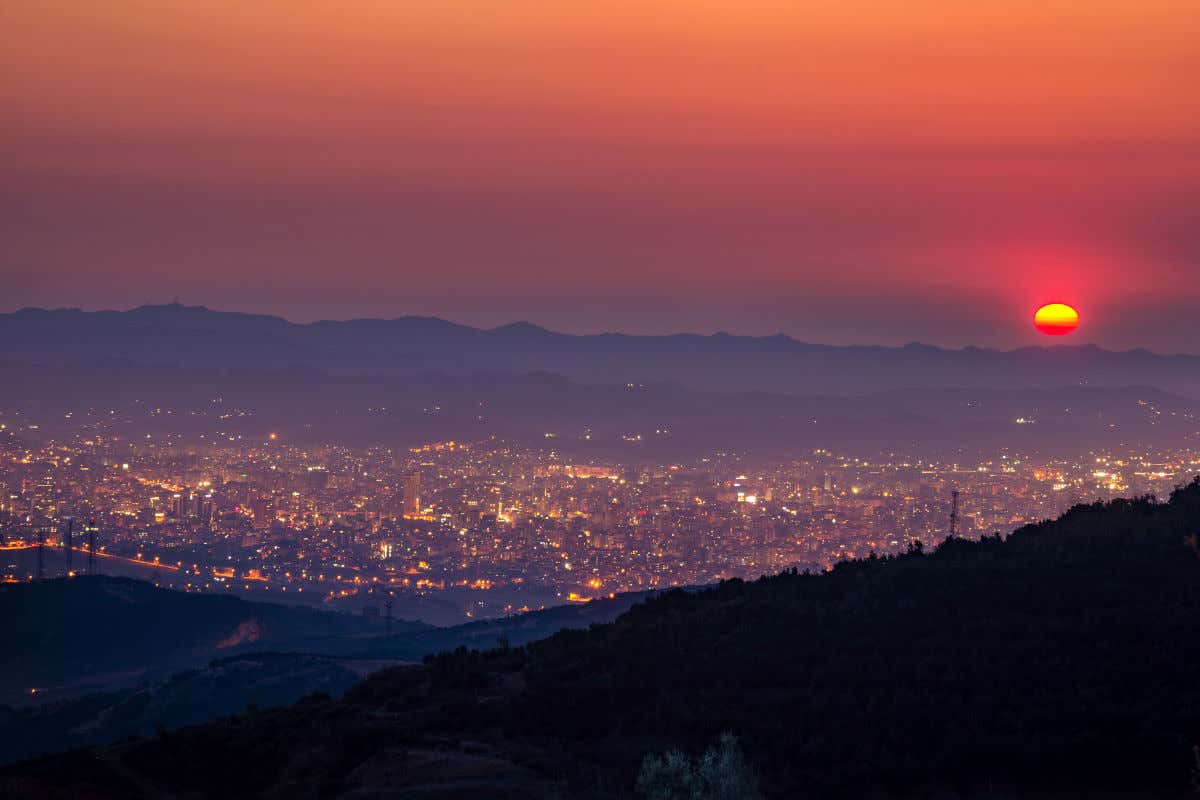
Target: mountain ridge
(195, 337)
(526, 327)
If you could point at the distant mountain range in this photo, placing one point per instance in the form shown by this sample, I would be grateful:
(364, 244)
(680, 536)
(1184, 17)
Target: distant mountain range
(414, 379)
(196, 339)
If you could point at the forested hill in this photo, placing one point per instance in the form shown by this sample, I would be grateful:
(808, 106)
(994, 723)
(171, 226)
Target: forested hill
(1063, 661)
(90, 633)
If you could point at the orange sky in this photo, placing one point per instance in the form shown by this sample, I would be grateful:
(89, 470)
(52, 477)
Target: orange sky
(501, 158)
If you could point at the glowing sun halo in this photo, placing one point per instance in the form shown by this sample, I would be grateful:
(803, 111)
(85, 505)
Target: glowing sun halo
(1056, 319)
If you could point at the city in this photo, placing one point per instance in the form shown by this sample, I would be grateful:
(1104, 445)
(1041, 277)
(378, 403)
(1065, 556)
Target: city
(648, 400)
(497, 527)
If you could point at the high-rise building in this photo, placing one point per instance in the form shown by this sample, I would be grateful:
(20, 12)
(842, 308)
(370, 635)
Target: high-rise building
(203, 507)
(412, 493)
(263, 513)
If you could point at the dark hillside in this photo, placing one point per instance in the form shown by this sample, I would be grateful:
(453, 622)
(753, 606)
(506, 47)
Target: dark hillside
(1066, 654)
(226, 686)
(64, 636)
(1061, 662)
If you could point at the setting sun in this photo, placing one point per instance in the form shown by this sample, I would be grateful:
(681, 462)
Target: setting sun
(1056, 319)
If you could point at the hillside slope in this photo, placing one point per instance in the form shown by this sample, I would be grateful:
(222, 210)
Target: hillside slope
(338, 650)
(1060, 662)
(63, 636)
(226, 686)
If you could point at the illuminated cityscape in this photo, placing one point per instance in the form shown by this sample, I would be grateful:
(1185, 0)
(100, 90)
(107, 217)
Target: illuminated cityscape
(645, 400)
(497, 526)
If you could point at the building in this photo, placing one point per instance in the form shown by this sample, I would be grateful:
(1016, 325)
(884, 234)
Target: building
(412, 493)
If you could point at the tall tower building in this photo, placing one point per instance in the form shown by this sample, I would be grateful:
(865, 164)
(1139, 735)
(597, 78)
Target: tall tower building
(412, 493)
(204, 507)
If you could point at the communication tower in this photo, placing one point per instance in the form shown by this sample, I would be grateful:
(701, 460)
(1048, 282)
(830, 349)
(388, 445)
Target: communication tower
(67, 545)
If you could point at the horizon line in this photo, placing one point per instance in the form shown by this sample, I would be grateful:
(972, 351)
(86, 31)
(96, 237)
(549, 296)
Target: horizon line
(541, 329)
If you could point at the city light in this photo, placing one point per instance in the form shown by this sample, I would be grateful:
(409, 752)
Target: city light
(497, 518)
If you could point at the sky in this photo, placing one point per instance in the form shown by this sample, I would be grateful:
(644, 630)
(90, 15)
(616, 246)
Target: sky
(868, 171)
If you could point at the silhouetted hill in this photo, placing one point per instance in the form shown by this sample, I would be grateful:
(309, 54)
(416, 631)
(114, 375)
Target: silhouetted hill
(334, 662)
(196, 338)
(65, 637)
(1060, 662)
(517, 629)
(225, 686)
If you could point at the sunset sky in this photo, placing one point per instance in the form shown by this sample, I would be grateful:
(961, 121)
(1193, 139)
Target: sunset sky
(841, 170)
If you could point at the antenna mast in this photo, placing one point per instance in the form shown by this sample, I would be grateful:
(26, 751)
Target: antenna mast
(67, 544)
(91, 531)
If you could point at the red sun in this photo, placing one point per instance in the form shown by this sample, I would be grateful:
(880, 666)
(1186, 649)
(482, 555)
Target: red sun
(1056, 319)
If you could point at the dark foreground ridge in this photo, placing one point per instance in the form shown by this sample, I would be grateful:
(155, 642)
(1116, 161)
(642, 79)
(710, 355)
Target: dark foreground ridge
(1060, 662)
(152, 631)
(65, 637)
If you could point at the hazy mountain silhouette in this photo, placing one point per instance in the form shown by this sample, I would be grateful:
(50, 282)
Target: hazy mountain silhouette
(192, 337)
(617, 421)
(414, 379)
